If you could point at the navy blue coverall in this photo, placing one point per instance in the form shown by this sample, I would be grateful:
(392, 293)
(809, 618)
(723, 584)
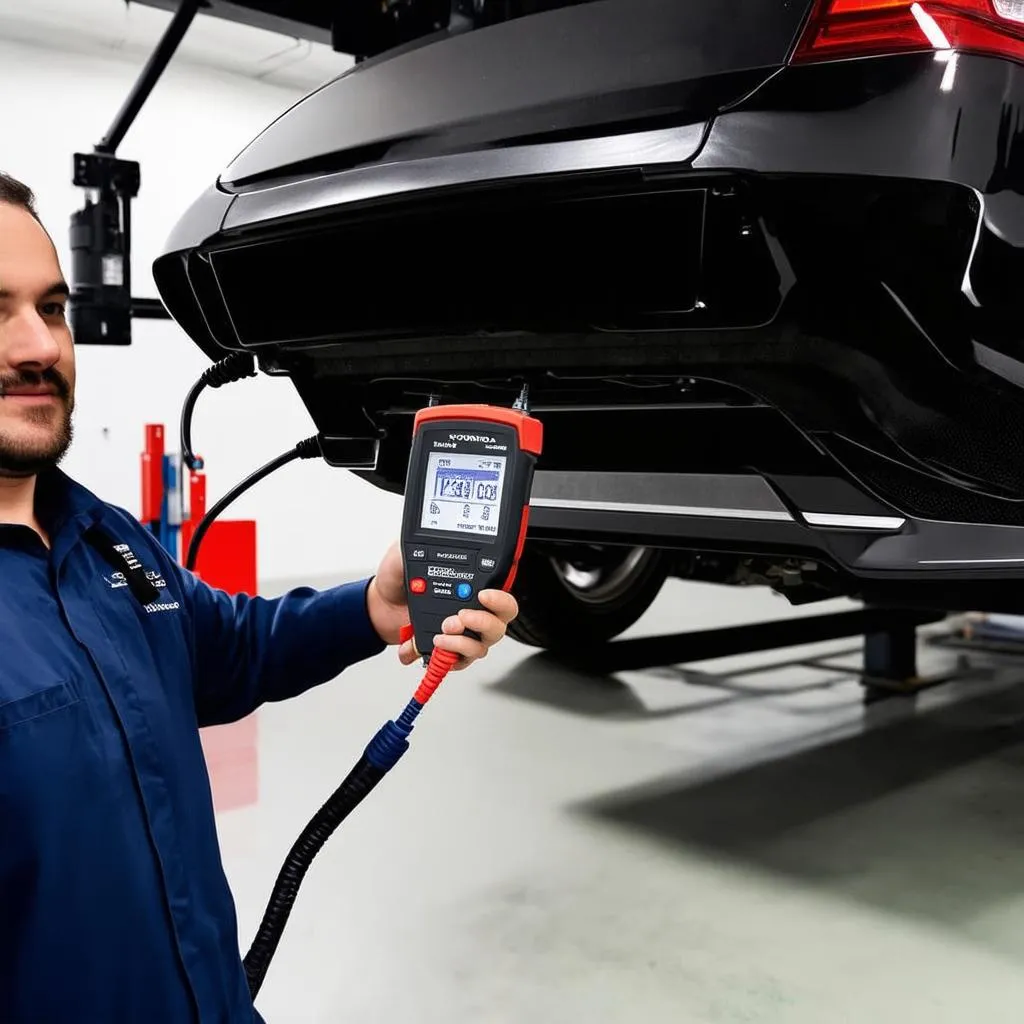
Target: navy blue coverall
(114, 907)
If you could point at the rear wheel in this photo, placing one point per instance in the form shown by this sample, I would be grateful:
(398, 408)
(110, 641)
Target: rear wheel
(570, 596)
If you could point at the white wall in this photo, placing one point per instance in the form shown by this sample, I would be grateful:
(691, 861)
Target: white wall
(60, 94)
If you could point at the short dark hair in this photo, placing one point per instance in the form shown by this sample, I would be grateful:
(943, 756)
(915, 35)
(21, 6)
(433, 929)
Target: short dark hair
(17, 193)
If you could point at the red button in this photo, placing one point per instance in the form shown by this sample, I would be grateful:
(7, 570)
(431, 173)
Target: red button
(418, 586)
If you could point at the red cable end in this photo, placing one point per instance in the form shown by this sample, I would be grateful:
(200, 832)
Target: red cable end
(441, 663)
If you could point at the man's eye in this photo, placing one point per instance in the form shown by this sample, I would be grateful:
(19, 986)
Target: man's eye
(53, 309)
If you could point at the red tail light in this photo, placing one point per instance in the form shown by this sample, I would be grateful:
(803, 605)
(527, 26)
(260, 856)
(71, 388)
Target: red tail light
(859, 28)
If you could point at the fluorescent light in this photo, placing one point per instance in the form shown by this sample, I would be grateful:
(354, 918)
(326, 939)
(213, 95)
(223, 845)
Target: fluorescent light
(930, 27)
(949, 75)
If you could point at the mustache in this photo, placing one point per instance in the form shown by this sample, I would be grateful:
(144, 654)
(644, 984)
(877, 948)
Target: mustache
(32, 379)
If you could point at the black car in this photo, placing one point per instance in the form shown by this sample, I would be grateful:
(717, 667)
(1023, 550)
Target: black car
(759, 261)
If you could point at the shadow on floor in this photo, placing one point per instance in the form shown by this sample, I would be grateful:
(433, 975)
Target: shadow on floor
(924, 817)
(547, 680)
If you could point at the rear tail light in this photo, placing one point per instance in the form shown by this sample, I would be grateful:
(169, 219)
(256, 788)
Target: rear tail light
(860, 28)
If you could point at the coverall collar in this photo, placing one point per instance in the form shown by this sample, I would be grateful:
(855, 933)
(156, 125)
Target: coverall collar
(65, 509)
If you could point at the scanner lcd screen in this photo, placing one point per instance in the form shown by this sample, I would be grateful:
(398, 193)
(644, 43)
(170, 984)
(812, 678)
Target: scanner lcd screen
(463, 493)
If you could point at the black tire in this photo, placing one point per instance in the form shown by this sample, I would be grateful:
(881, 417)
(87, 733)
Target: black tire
(556, 611)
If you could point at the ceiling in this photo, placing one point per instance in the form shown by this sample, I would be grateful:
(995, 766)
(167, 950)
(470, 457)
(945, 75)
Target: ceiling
(307, 19)
(131, 30)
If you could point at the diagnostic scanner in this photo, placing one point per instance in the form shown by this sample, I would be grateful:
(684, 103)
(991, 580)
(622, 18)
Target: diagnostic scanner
(466, 509)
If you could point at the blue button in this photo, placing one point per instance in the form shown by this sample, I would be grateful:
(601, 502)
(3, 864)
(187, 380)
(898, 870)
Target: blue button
(464, 591)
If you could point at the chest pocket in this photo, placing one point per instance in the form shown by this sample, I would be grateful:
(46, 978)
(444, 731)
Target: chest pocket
(35, 705)
(46, 772)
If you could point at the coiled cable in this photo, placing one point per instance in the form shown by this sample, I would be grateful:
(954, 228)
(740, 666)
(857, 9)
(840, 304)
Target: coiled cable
(234, 367)
(379, 757)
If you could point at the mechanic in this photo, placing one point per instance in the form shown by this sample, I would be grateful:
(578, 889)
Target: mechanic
(114, 906)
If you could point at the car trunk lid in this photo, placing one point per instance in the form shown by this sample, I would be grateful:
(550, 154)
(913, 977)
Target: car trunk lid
(583, 71)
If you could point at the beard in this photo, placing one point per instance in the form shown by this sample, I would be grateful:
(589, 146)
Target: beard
(24, 458)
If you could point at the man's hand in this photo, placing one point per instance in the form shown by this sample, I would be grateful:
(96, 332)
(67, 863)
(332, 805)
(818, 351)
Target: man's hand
(389, 613)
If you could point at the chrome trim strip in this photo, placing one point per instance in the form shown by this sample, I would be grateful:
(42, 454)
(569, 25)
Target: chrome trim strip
(823, 519)
(669, 510)
(852, 522)
(635, 149)
(972, 561)
(682, 490)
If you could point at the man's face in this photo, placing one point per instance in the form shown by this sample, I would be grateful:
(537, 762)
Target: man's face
(37, 358)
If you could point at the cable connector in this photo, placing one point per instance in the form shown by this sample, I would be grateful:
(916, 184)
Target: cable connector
(392, 739)
(390, 743)
(234, 367)
(309, 448)
(440, 664)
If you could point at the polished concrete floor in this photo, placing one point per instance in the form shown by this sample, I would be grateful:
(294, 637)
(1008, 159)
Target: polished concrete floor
(706, 845)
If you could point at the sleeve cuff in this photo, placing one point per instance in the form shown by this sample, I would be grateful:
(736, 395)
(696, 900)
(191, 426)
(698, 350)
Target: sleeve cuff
(353, 607)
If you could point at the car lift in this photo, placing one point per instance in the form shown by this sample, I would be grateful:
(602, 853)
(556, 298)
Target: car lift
(890, 647)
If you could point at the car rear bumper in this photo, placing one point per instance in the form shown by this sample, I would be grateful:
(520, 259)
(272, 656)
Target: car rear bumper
(858, 125)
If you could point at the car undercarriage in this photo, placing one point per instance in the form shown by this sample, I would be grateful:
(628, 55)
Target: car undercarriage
(766, 307)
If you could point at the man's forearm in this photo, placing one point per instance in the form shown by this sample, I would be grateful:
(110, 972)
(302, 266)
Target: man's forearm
(252, 650)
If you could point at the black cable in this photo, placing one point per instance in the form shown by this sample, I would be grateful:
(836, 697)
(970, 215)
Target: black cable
(357, 785)
(307, 449)
(232, 368)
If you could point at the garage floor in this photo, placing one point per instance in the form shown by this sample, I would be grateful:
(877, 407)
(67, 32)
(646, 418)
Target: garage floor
(667, 846)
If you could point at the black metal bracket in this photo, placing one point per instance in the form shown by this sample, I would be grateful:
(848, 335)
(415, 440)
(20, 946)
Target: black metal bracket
(149, 309)
(102, 305)
(104, 172)
(358, 453)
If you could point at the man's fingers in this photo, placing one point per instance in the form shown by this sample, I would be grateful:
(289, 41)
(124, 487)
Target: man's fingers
(488, 627)
(466, 647)
(501, 603)
(489, 623)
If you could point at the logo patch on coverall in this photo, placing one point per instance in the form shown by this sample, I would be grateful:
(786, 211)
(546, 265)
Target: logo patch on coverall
(118, 580)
